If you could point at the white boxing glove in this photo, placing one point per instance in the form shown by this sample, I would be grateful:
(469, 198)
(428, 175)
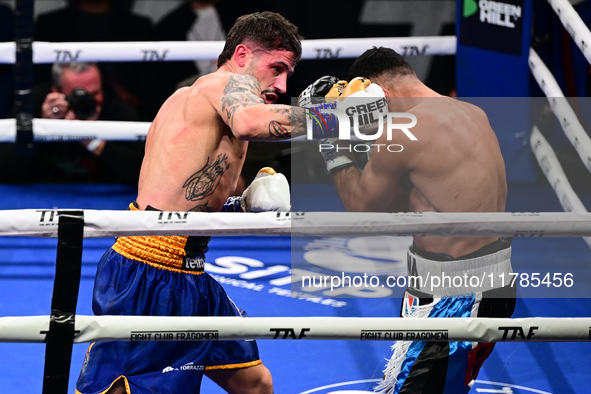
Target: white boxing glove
(334, 159)
(268, 192)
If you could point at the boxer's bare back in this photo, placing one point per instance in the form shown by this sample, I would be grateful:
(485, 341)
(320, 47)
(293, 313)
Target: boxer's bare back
(197, 143)
(454, 166)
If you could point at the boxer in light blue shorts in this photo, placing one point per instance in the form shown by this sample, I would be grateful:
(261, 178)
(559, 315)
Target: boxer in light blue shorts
(448, 367)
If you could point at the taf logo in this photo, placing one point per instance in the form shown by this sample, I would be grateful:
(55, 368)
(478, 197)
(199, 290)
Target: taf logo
(413, 50)
(66, 56)
(285, 333)
(327, 53)
(153, 56)
(48, 217)
(513, 332)
(172, 217)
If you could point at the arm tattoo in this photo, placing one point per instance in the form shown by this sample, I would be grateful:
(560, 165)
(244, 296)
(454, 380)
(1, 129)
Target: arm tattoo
(204, 182)
(298, 120)
(241, 91)
(286, 111)
(278, 130)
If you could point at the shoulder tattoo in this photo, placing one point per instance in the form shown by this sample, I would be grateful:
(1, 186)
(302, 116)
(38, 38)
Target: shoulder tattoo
(241, 91)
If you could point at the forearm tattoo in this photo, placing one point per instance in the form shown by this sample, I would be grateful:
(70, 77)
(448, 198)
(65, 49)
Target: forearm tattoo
(298, 120)
(277, 130)
(205, 181)
(241, 91)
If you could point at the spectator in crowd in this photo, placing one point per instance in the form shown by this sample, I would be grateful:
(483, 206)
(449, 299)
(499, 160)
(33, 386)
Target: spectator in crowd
(103, 20)
(192, 20)
(6, 84)
(77, 92)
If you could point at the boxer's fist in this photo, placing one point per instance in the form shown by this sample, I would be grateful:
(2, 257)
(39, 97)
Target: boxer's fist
(325, 87)
(366, 102)
(269, 192)
(362, 87)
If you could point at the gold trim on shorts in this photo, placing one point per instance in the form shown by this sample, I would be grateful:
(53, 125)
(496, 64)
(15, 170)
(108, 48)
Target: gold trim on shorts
(127, 388)
(165, 252)
(234, 366)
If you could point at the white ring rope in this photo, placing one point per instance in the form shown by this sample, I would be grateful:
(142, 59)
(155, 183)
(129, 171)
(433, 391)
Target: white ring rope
(556, 177)
(573, 129)
(574, 25)
(33, 329)
(44, 223)
(152, 51)
(75, 130)
(61, 130)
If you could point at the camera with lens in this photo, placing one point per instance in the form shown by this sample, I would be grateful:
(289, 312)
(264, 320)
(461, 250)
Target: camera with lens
(82, 103)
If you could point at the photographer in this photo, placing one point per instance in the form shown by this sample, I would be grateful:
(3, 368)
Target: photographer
(77, 92)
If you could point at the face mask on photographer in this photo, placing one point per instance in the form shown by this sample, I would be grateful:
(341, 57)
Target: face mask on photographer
(83, 91)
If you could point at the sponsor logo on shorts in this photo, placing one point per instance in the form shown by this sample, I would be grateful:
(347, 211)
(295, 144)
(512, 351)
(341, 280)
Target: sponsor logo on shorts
(190, 366)
(194, 263)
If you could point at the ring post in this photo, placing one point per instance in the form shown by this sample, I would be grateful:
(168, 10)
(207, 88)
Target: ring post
(23, 76)
(60, 337)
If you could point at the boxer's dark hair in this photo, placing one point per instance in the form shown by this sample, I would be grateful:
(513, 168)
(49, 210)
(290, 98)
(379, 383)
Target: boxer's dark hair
(377, 61)
(266, 30)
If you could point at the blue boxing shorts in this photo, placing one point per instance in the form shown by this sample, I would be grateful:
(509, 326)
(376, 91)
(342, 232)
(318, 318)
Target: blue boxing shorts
(429, 367)
(159, 276)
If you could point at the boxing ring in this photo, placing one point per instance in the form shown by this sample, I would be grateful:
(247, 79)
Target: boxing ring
(251, 254)
(28, 268)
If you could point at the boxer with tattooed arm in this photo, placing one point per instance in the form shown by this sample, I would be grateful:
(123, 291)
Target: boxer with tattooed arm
(195, 151)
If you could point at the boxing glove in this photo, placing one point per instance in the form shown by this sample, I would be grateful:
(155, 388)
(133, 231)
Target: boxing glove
(268, 192)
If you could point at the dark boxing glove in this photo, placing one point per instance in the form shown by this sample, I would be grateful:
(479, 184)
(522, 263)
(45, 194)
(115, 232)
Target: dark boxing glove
(316, 92)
